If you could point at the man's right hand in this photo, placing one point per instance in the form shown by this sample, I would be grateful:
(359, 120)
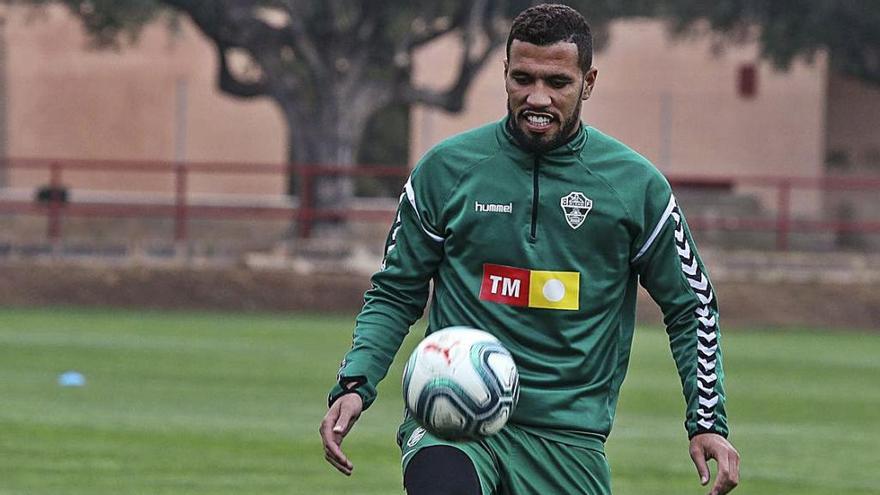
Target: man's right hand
(336, 424)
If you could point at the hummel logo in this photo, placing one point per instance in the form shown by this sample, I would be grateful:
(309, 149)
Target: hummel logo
(492, 208)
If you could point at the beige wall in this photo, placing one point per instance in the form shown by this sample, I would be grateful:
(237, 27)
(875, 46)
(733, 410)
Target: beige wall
(69, 101)
(854, 121)
(854, 133)
(675, 102)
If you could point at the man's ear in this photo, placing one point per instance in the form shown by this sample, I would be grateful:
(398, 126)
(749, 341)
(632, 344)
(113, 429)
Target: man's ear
(589, 83)
(505, 67)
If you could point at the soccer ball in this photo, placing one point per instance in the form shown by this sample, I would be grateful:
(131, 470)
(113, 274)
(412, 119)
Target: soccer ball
(461, 383)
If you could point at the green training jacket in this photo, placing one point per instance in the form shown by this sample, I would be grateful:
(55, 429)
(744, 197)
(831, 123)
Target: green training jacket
(545, 252)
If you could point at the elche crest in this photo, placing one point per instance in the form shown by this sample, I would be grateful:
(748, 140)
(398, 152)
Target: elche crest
(576, 206)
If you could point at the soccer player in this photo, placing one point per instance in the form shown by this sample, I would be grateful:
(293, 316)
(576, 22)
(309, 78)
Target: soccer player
(538, 228)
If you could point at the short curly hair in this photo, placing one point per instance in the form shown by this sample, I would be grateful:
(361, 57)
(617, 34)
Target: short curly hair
(551, 23)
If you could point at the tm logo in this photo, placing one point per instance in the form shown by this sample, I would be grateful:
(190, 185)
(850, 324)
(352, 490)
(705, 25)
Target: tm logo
(543, 289)
(509, 287)
(505, 285)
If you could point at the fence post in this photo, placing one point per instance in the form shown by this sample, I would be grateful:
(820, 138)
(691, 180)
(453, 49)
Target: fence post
(305, 202)
(180, 209)
(53, 220)
(783, 214)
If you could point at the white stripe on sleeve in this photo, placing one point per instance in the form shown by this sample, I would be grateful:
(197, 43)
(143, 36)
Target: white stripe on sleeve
(657, 228)
(411, 196)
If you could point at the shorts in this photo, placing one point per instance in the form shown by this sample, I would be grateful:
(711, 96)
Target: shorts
(516, 462)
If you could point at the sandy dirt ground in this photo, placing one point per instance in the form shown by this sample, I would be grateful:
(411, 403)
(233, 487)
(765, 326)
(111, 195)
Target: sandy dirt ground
(52, 283)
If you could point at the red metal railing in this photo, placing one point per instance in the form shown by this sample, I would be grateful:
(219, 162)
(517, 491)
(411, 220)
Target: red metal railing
(309, 174)
(784, 223)
(305, 212)
(182, 210)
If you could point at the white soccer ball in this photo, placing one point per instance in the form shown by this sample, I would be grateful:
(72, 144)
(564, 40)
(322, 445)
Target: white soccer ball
(461, 383)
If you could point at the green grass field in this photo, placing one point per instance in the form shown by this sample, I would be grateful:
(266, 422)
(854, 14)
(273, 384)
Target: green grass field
(228, 403)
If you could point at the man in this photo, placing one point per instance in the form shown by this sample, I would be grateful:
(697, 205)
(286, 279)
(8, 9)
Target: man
(573, 218)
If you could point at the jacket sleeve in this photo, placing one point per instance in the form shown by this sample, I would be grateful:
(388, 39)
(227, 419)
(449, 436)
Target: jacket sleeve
(671, 271)
(397, 297)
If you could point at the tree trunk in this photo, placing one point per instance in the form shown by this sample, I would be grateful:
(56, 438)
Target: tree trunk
(327, 136)
(318, 192)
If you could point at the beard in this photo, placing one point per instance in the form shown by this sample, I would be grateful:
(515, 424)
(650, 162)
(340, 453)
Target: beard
(540, 143)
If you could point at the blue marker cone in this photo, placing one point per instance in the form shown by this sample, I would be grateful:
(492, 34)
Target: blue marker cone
(71, 379)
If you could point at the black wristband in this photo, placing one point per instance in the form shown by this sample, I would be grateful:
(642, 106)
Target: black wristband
(348, 385)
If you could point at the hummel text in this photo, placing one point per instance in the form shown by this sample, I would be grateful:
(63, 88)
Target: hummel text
(493, 208)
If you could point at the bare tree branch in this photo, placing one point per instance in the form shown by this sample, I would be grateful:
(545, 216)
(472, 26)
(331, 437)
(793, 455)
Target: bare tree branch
(228, 83)
(430, 26)
(234, 24)
(206, 15)
(480, 19)
(302, 43)
(237, 26)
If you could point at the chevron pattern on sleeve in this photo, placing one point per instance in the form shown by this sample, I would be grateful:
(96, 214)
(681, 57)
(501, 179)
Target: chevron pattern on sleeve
(707, 330)
(391, 242)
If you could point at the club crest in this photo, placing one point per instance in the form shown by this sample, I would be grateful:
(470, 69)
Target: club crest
(576, 206)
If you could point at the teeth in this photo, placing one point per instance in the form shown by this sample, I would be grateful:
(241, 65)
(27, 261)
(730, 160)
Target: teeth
(538, 119)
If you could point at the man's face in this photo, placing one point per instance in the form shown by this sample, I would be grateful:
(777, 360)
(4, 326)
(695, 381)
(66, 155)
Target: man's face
(545, 88)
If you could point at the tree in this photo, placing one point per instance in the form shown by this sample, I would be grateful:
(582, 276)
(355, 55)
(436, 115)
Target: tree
(332, 64)
(329, 65)
(849, 30)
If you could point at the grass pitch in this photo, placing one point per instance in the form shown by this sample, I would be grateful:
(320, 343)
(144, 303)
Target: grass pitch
(191, 403)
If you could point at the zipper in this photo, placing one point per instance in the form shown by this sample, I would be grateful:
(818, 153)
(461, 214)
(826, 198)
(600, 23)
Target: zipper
(535, 172)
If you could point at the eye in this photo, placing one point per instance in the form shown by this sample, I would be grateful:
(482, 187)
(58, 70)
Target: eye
(559, 83)
(521, 79)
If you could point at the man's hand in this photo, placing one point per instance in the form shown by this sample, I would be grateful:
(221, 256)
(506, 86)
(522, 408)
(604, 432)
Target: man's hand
(712, 446)
(336, 424)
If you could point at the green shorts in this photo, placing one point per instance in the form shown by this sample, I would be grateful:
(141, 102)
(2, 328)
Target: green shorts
(516, 462)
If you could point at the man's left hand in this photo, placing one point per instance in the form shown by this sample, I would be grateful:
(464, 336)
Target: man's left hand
(707, 446)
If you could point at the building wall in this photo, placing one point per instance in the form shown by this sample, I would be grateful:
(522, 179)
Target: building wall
(854, 123)
(676, 102)
(854, 151)
(4, 101)
(156, 100)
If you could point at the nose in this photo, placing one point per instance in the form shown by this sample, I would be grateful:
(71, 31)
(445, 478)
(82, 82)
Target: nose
(538, 97)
